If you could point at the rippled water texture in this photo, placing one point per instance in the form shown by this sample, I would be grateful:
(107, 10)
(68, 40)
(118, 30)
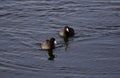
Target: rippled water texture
(94, 51)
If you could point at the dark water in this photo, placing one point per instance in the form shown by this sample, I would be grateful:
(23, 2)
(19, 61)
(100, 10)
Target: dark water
(94, 52)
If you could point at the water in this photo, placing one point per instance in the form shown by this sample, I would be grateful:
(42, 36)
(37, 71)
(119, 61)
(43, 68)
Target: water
(94, 52)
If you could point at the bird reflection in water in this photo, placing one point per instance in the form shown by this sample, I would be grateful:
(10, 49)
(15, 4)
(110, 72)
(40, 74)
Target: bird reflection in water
(50, 54)
(66, 42)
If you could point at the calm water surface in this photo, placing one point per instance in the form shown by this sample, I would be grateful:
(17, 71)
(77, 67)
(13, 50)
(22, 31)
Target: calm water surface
(94, 52)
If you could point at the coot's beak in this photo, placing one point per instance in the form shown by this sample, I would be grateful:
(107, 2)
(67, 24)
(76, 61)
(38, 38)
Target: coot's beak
(67, 29)
(55, 42)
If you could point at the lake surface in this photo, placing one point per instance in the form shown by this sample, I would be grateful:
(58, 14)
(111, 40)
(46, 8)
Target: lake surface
(94, 51)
